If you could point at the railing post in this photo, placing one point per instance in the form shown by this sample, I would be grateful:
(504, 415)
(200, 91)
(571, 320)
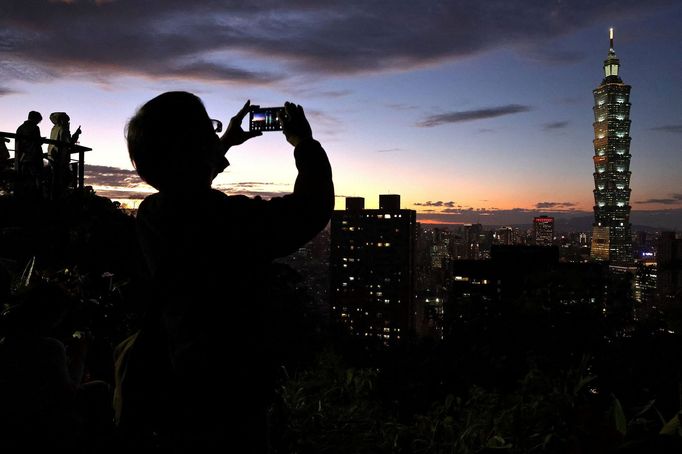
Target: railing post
(81, 167)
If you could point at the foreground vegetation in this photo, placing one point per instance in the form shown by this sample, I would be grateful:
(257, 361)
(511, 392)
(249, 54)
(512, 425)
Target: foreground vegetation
(517, 382)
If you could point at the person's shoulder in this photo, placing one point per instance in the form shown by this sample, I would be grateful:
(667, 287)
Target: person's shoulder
(238, 200)
(150, 199)
(220, 197)
(149, 203)
(22, 127)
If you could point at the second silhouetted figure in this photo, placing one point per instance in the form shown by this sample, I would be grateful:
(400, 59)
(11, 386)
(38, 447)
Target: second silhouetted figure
(60, 155)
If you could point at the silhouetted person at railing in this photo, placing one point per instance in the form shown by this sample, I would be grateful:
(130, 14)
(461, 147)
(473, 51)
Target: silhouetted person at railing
(196, 372)
(28, 156)
(60, 155)
(6, 173)
(45, 402)
(4, 154)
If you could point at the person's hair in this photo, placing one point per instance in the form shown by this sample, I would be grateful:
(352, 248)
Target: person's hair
(169, 139)
(35, 116)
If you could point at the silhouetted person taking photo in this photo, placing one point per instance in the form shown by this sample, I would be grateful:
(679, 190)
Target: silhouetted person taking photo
(60, 155)
(7, 174)
(195, 373)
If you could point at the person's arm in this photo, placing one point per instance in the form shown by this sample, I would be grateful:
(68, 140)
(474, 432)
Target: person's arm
(283, 224)
(74, 137)
(234, 135)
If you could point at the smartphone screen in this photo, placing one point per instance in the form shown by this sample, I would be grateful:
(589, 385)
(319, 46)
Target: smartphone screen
(266, 119)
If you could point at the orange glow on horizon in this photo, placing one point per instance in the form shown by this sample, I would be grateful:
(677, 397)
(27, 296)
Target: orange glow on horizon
(435, 222)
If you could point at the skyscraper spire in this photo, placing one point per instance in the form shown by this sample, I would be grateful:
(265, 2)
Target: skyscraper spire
(611, 64)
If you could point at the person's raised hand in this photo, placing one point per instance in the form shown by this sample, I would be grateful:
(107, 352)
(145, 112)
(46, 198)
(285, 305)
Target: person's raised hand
(234, 134)
(295, 125)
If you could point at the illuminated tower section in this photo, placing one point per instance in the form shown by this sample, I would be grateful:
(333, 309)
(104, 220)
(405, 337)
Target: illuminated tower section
(611, 239)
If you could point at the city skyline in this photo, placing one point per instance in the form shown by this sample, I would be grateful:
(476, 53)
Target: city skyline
(475, 112)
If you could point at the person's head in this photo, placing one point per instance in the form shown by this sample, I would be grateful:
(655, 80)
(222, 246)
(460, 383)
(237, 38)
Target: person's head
(171, 142)
(59, 118)
(35, 116)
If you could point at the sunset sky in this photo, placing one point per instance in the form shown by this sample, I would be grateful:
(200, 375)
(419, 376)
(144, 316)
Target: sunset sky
(471, 110)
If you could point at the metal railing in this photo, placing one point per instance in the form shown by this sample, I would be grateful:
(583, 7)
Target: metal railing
(74, 148)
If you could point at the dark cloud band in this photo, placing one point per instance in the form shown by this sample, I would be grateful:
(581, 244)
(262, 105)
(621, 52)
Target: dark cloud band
(470, 115)
(234, 42)
(555, 125)
(669, 128)
(674, 199)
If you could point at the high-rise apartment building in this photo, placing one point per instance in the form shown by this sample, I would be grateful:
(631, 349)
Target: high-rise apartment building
(543, 230)
(611, 240)
(372, 269)
(669, 264)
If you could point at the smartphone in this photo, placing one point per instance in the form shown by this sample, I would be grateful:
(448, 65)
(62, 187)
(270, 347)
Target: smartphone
(266, 118)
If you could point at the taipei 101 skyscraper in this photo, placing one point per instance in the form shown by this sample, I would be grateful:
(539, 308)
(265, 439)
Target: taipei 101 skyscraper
(611, 238)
